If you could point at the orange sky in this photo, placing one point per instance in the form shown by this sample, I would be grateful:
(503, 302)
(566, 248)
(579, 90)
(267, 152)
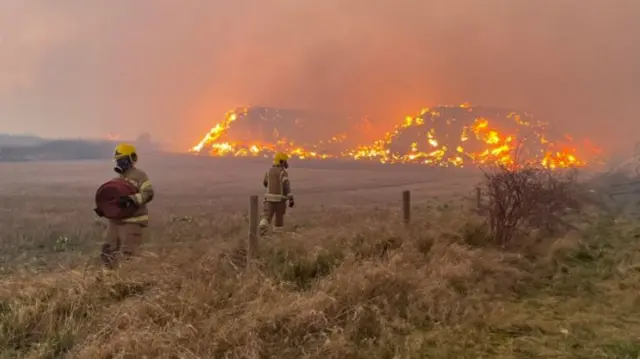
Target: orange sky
(172, 67)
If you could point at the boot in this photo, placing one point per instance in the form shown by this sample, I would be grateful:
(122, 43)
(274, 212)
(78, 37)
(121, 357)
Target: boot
(263, 228)
(108, 256)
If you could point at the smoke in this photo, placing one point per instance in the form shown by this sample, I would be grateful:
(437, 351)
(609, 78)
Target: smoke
(172, 68)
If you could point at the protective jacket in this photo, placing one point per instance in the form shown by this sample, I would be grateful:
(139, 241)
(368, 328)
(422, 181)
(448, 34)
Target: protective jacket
(276, 181)
(145, 194)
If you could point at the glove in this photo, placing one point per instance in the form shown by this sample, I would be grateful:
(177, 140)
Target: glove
(98, 212)
(291, 203)
(126, 202)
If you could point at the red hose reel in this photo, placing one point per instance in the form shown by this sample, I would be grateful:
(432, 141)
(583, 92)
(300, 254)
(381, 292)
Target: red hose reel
(108, 195)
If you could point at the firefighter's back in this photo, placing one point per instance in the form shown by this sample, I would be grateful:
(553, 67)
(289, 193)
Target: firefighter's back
(275, 190)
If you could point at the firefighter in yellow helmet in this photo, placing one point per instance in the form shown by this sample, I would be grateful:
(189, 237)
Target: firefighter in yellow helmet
(125, 236)
(276, 181)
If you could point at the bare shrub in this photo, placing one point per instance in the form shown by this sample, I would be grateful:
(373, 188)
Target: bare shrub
(527, 199)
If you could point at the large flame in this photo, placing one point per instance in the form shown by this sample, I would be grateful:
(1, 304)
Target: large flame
(427, 138)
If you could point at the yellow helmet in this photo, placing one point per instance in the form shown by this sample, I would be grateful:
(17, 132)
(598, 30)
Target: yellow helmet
(124, 150)
(280, 157)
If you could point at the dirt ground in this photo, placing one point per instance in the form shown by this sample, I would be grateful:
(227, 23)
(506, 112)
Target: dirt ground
(229, 182)
(58, 196)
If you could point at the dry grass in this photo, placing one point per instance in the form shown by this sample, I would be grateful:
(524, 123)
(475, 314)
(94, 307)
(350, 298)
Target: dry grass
(349, 281)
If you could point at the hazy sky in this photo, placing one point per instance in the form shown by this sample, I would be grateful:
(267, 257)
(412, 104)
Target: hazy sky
(173, 67)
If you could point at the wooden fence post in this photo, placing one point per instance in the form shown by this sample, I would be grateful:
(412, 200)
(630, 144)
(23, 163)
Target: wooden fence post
(479, 197)
(406, 206)
(252, 243)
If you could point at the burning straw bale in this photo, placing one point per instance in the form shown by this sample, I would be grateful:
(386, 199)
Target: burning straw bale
(529, 200)
(448, 136)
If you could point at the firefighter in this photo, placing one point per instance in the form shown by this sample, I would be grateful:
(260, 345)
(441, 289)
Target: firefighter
(125, 236)
(276, 181)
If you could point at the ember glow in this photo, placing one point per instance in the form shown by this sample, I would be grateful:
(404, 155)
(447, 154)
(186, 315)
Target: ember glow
(442, 136)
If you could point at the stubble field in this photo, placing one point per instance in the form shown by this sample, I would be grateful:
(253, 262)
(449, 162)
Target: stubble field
(348, 280)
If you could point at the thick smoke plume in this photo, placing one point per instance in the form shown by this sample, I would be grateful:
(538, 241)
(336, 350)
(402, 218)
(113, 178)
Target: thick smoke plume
(172, 68)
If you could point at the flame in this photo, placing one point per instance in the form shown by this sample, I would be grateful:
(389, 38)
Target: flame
(480, 142)
(218, 131)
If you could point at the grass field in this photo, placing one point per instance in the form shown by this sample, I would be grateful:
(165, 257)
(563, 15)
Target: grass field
(348, 280)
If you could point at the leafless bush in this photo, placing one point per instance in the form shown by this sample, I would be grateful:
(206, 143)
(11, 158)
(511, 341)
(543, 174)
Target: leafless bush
(527, 200)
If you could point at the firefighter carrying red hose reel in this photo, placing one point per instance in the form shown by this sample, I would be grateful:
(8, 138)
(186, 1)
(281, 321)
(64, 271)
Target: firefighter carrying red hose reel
(123, 201)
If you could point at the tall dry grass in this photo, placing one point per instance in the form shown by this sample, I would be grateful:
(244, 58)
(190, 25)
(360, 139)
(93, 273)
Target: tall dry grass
(345, 283)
